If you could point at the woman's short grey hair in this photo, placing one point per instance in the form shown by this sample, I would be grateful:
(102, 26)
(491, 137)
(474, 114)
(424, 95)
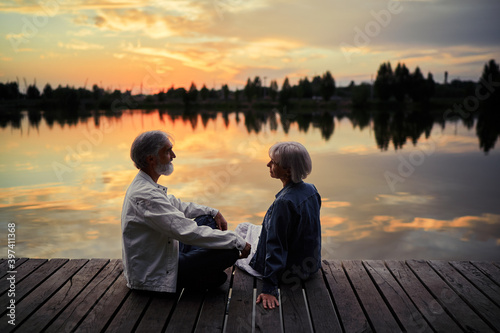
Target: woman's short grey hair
(147, 144)
(294, 156)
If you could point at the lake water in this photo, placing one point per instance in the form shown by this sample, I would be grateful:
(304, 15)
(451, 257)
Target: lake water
(391, 189)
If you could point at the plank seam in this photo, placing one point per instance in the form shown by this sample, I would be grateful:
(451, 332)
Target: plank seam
(330, 293)
(358, 298)
(465, 299)
(39, 282)
(384, 298)
(475, 285)
(485, 273)
(436, 298)
(81, 290)
(308, 310)
(408, 295)
(33, 270)
(143, 312)
(97, 302)
(49, 296)
(200, 308)
(172, 310)
(171, 313)
(110, 320)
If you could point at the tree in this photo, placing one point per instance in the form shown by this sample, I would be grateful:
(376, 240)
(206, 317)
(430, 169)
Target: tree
(327, 86)
(401, 82)
(9, 90)
(162, 95)
(249, 90)
(193, 93)
(430, 86)
(286, 92)
(32, 92)
(316, 85)
(97, 92)
(47, 91)
(273, 90)
(418, 86)
(307, 88)
(384, 82)
(225, 91)
(491, 74)
(257, 86)
(204, 92)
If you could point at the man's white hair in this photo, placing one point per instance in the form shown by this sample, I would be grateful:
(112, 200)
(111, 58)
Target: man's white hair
(147, 144)
(294, 156)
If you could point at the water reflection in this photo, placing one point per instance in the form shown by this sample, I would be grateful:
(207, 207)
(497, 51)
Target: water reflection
(63, 177)
(391, 128)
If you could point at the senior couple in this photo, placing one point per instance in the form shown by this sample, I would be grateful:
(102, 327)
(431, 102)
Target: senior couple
(169, 244)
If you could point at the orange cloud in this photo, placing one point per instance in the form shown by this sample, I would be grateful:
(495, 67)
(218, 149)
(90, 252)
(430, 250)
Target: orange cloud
(335, 204)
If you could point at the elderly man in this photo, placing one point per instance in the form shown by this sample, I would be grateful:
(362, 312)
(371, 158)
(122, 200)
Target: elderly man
(154, 222)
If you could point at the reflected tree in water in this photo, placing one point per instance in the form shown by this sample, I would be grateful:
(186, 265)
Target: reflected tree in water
(326, 125)
(399, 126)
(394, 127)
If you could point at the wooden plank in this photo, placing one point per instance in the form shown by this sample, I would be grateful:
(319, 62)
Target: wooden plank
(294, 308)
(323, 314)
(53, 306)
(490, 270)
(479, 280)
(351, 314)
(78, 308)
(426, 304)
(448, 299)
(241, 303)
(158, 312)
(402, 306)
(129, 313)
(186, 312)
(45, 290)
(22, 272)
(376, 309)
(485, 308)
(105, 308)
(214, 307)
(267, 320)
(33, 280)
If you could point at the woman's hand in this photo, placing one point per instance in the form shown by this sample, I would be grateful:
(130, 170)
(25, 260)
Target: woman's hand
(246, 251)
(220, 221)
(268, 301)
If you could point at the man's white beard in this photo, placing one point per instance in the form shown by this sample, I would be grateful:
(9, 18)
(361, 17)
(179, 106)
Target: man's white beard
(165, 169)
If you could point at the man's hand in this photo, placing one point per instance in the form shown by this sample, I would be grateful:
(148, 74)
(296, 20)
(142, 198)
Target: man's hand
(220, 221)
(268, 301)
(246, 251)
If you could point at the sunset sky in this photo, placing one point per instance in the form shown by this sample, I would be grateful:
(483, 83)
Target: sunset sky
(123, 44)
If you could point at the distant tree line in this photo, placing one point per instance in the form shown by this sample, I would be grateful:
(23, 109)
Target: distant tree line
(400, 85)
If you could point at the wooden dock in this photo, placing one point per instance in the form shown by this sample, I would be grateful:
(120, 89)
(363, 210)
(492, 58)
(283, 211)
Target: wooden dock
(80, 295)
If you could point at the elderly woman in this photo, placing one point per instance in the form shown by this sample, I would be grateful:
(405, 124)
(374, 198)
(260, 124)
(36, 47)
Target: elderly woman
(289, 245)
